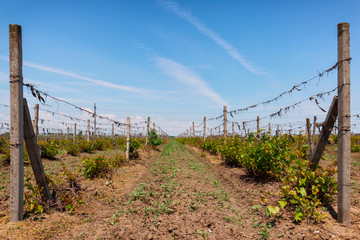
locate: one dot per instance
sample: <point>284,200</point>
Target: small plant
<point>72,149</point>
<point>95,166</point>
<point>32,198</point>
<point>49,149</point>
<point>154,139</point>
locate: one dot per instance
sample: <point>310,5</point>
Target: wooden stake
<point>344,132</point>
<point>233,130</point>
<point>313,135</point>
<point>147,131</point>
<point>34,154</point>
<point>16,124</point>
<point>204,128</point>
<point>128,138</point>
<point>308,131</point>
<point>257,124</point>
<point>36,120</point>
<point>325,133</point>
<point>225,123</point>
<point>74,137</point>
<point>88,131</point>
<point>94,119</point>
<point>67,133</point>
<point>153,126</point>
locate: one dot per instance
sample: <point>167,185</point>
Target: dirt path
<point>184,199</point>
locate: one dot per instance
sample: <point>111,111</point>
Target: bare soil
<point>179,193</point>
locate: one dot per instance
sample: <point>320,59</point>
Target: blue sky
<point>178,61</point>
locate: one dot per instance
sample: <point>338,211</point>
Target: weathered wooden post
<point>153,126</point>
<point>344,124</point>
<point>16,124</point>
<point>128,138</point>
<point>74,137</point>
<point>67,133</point>
<point>225,123</point>
<point>313,134</point>
<point>88,131</point>
<point>36,121</point>
<point>147,131</point>
<point>233,130</point>
<point>257,124</point>
<point>204,128</point>
<point>193,129</point>
<point>94,120</point>
<point>219,132</point>
<point>308,131</point>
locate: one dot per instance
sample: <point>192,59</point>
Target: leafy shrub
<point>306,190</point>
<point>72,149</point>
<point>117,160</point>
<point>134,146</point>
<point>154,139</point>
<point>49,149</point>
<point>95,166</point>
<point>86,146</point>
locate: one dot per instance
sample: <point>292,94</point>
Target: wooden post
<point>112,131</point>
<point>269,127</point>
<point>67,133</point>
<point>94,119</point>
<point>344,132</point>
<point>34,154</point>
<point>225,123</point>
<point>88,131</point>
<point>313,135</point>
<point>257,124</point>
<point>233,130</point>
<point>74,137</point>
<point>128,138</point>
<point>153,126</point>
<point>193,129</point>
<point>36,120</point>
<point>147,131</point>
<point>244,128</point>
<point>308,131</point>
<point>219,132</point>
<point>204,128</point>
<point>325,133</point>
<point>16,124</point>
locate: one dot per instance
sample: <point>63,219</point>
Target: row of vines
<point>283,158</point>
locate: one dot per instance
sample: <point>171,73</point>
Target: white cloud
<point>91,80</point>
<point>231,50</point>
<point>183,74</point>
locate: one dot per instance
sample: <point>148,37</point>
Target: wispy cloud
<point>77,76</point>
<point>184,74</point>
<point>232,51</point>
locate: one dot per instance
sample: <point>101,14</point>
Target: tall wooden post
<point>233,130</point>
<point>36,121</point>
<point>128,138</point>
<point>344,123</point>
<point>225,123</point>
<point>313,134</point>
<point>153,126</point>
<point>204,128</point>
<point>147,131</point>
<point>257,124</point>
<point>193,129</point>
<point>74,137</point>
<point>308,131</point>
<point>112,131</point>
<point>67,133</point>
<point>94,119</point>
<point>88,131</point>
<point>16,124</point>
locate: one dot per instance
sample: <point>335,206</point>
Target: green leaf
<point>299,216</point>
<point>282,204</point>
<point>302,191</point>
<point>273,210</point>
